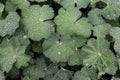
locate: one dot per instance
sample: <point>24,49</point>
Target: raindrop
<point>59,53</point>
<point>25,37</point>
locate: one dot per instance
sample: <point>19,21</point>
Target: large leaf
<point>12,51</point>
<point>58,51</point>
<point>68,23</point>
<point>99,55</point>
<point>36,21</point>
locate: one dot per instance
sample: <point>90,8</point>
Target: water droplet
<point>87,64</point>
<point>25,37</point>
<point>59,53</point>
<point>99,54</point>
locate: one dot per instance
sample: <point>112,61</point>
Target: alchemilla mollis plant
<point>59,39</point>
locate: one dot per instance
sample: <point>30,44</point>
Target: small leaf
<point>10,24</point>
<point>101,30</point>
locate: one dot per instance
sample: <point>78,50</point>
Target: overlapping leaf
<point>13,51</point>
<point>12,5</point>
<point>111,10</point>
<point>95,14</point>
<point>36,71</point>
<point>1,9</point>
<point>71,3</point>
<point>68,23</point>
<point>63,74</point>
<point>9,24</point>
<point>85,74</point>
<point>38,0</point>
<point>115,33</point>
<point>36,21</point>
<point>58,51</point>
<point>98,54</point>
<point>101,30</point>
<point>2,77</point>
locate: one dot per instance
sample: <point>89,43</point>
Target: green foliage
<point>36,20</point>
<point>1,9</point>
<point>58,51</point>
<point>9,24</point>
<point>101,30</point>
<point>85,74</point>
<point>98,54</point>
<point>62,74</point>
<point>59,39</point>
<point>12,52</point>
<point>115,33</point>
<point>2,77</point>
<point>95,14</point>
<point>71,3</point>
<point>38,0</point>
<point>36,71</point>
<point>21,4</point>
<point>68,23</point>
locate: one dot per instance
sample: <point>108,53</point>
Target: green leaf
<point>26,78</point>
<point>111,11</point>
<point>10,24</point>
<point>1,9</point>
<point>2,77</point>
<point>78,41</point>
<point>63,74</point>
<point>12,51</point>
<point>68,23</point>
<point>36,20</point>
<point>85,74</point>
<point>114,32</point>
<point>115,78</point>
<point>10,6</point>
<point>50,71</point>
<point>37,70</point>
<point>37,47</point>
<point>101,30</point>
<point>21,4</point>
<point>38,0</point>
<point>99,55</point>
<point>95,14</point>
<point>76,58</point>
<point>71,3</point>
<point>14,72</point>
<point>59,51</point>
